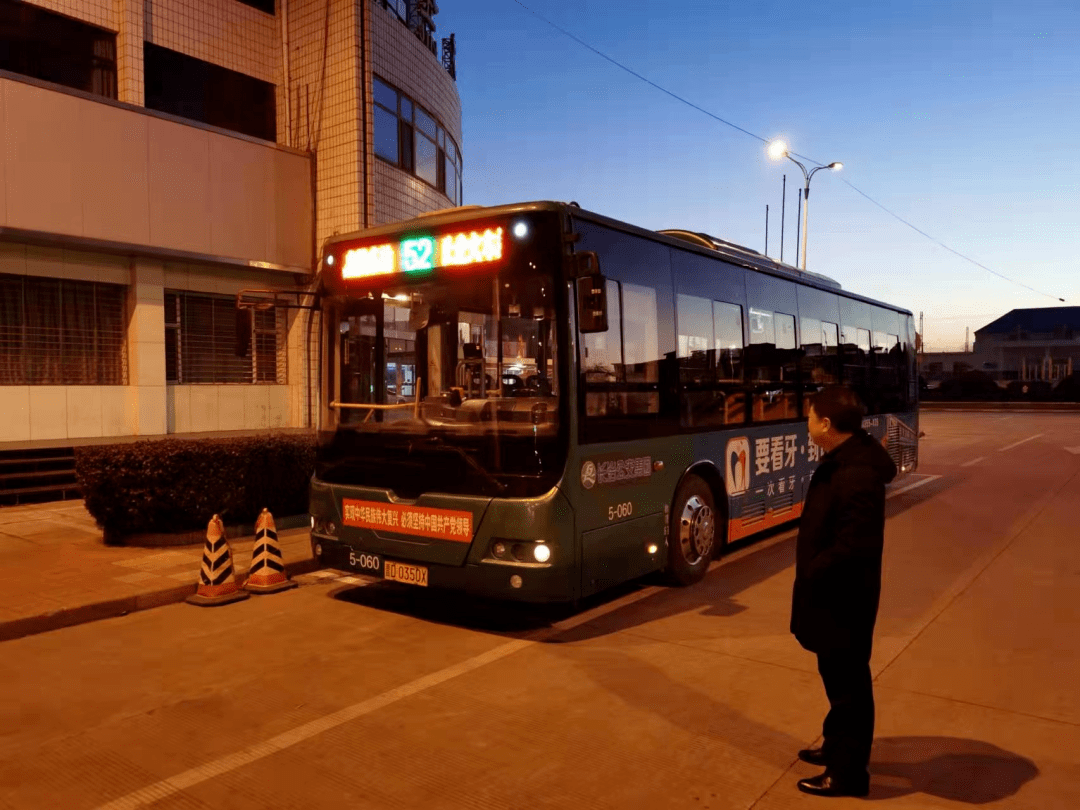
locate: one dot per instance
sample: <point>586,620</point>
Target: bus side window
<point>820,368</point>
<point>641,352</point>
<point>772,359</point>
<point>602,360</point>
<point>710,348</point>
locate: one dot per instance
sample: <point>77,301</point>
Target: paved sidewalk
<point>56,571</point>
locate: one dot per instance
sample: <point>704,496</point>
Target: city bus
<point>535,402</point>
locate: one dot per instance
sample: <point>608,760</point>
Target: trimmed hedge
<point>174,485</point>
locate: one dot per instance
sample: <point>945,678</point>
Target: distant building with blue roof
<point>1030,344</point>
<point>1023,344</point>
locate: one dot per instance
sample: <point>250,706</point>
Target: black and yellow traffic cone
<point>267,572</point>
<point>217,582</point>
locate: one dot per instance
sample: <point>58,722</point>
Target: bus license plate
<point>409,574</point>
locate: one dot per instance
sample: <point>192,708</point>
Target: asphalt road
<point>345,695</point>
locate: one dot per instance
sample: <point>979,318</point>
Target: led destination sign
<point>423,253</point>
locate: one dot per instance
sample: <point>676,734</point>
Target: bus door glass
<point>358,368</point>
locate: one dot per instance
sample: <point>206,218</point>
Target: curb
<point>112,608</point>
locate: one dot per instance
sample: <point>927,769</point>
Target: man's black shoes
<point>831,784</point>
<point>814,756</point>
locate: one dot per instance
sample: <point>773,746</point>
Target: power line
<point>639,76</point>
<point>757,137</point>
<point>956,252</point>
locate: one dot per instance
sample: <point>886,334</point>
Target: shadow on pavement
<point>457,609</point>
<point>906,500</point>
<point>716,595</point>
<point>952,768</point>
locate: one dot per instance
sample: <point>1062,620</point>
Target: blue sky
<point>960,117</point>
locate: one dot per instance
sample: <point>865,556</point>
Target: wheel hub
<point>697,530</point>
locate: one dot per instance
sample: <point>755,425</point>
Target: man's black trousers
<point>849,725</point>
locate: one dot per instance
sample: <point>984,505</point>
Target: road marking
<point>253,753</point>
<point>202,773</point>
<point>915,485</point>
<point>1017,444</point>
<point>973,461</point>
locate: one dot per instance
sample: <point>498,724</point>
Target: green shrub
<point>173,485</point>
<point>1068,389</point>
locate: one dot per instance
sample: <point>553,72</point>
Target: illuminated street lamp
<point>778,150</point>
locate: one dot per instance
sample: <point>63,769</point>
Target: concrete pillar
<point>129,51</point>
<point>146,390</point>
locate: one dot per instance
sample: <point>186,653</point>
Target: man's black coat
<point>838,552</point>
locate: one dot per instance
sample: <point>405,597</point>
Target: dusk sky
<point>962,118</point>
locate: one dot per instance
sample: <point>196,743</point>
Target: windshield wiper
<point>500,487</point>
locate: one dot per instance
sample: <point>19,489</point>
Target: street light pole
<point>777,150</point>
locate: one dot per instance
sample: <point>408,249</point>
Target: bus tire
<point>692,537</point>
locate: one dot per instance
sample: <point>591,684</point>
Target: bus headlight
<point>520,551</point>
<point>323,527</point>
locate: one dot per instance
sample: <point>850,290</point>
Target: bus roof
<point>698,242</point>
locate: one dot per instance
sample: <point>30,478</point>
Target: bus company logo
<point>588,475</point>
<point>737,465</point>
<point>614,471</point>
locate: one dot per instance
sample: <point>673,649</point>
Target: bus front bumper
<point>525,583</point>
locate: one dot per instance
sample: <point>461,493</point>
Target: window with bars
<point>201,342</point>
<point>60,332</point>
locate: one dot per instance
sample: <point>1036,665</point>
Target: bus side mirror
<point>592,304</point>
<point>244,325</point>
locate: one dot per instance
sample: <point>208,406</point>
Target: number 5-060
<point>368,561</point>
<point>622,510</point>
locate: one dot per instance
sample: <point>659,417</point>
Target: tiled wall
<point>326,111</point>
<point>333,49</point>
<point>399,195</point>
<point>224,32</point>
<point>129,52</point>
<point>399,57</point>
<point>206,408</point>
<point>101,13</point>
<point>403,60</point>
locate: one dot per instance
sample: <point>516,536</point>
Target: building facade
<point>1031,344</point>
<point>1024,345</point>
<point>160,157</point>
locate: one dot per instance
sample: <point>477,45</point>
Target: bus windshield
<point>448,385</point>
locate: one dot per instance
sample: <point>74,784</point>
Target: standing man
<point>838,585</point>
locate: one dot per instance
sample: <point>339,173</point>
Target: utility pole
<point>766,229</point>
<point>922,341</point>
<point>783,205</point>
<point>967,333</point>
<point>798,226</point>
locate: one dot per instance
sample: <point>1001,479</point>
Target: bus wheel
<point>692,537</point>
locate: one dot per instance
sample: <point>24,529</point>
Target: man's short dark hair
<point>841,406</point>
